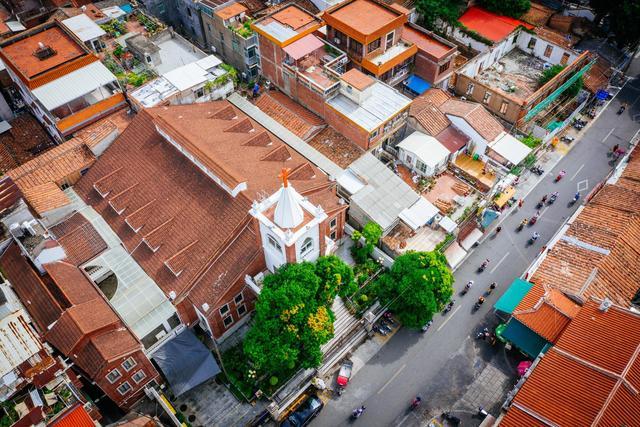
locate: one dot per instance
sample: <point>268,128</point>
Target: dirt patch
<point>336,147</point>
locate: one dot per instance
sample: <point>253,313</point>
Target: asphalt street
<point>411,363</point>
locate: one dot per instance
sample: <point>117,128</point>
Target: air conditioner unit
<point>28,227</point>
<point>336,41</point>
<point>213,49</point>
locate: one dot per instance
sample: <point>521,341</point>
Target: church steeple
<point>288,213</point>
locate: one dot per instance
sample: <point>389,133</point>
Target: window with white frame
<point>487,97</point>
<point>274,243</point>
<point>124,388</point>
<point>139,376</point>
<point>224,309</point>
<point>238,299</point>
<point>503,107</point>
<point>113,375</point>
<point>389,40</point>
<point>242,309</point>
<point>421,166</point>
<point>227,321</point>
<point>307,246</point>
<point>129,364</point>
<point>470,88</point>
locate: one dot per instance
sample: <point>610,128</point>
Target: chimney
<point>605,304</point>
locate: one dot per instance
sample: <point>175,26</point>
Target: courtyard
<point>515,74</point>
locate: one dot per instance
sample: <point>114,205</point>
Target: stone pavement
<point>490,387</point>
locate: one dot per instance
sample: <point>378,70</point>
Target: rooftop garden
<point>244,29</point>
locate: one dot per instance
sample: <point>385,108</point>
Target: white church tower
<point>290,226</point>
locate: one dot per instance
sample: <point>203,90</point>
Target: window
<point>503,107</point>
<point>64,186</point>
<point>389,39</point>
<point>444,67</point>
<point>221,36</point>
<point>274,243</point>
<point>224,309</point>
<point>421,166</point>
<point>139,376</point>
<point>238,299</point>
<point>113,376</point>
<point>373,134</point>
<point>470,88</point>
<point>124,388</point>
<point>251,52</point>
<point>564,59</point>
<point>532,43</point>
<point>333,223</point>
<point>235,45</point>
<point>188,11</point>
<point>227,321</point>
<point>242,310</point>
<point>514,40</point>
<point>199,93</point>
<point>408,159</point>
<point>548,50</point>
<point>355,47</point>
<point>373,45</point>
<point>307,246</point>
<point>148,59</point>
<point>129,364</point>
<point>333,235</point>
<point>486,98</point>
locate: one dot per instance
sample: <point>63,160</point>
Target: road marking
<point>583,185</point>
<point>392,378</point>
<point>609,134</point>
<point>499,262</point>
<point>407,416</point>
<point>449,318</point>
<point>577,172</point>
<point>543,211</point>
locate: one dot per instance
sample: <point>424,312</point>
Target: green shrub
<point>273,380</point>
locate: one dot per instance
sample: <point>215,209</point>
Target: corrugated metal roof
<point>385,195</point>
<point>18,342</point>
<point>83,27</point>
<point>428,149</point>
<point>382,104</point>
<point>74,85</point>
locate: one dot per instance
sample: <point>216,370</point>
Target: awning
<point>417,85</point>
<point>512,297</point>
<point>524,338</point>
<point>448,224</point>
<point>505,196</point>
<point>420,213</point>
<point>304,46</point>
<point>185,362</point>
<point>510,148</point>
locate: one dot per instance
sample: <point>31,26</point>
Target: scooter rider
<point>416,402</point>
<point>535,236</point>
<point>358,412</point>
<point>469,284</point>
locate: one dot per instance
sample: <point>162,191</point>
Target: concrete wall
<point>540,46</point>
<point>514,109</point>
<point>478,143</point>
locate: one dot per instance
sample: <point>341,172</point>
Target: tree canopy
<point>446,10</point>
<point>418,285</point>
<point>553,71</point>
<point>293,316</point>
<point>623,19</point>
<point>371,233</point>
<point>515,8</point>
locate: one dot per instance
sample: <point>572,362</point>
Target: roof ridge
<point>534,414</point>
<point>621,380</point>
<point>588,364</point>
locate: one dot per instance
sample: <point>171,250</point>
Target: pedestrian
<point>615,148</point>
<point>520,203</point>
<point>499,229</point>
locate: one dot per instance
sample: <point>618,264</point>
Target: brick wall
<point>310,99</point>
<point>346,127</point>
<point>513,111</point>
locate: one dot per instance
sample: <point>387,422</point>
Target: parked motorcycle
<point>567,139</point>
<point>448,307</point>
<point>427,325</point>
<point>451,419</point>
<point>537,170</point>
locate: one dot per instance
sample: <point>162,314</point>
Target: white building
<point>423,154</point>
<point>87,31</point>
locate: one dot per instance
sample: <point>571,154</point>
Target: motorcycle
<point>426,327</point>
<point>482,267</point>
<point>560,176</point>
<point>533,239</point>
<point>533,220</point>
<point>552,199</point>
<point>522,224</point>
<point>537,170</point>
<point>415,403</point>
<point>357,413</point>
<point>575,199</point>
<point>448,307</point>
<point>466,289</point>
<point>567,139</point>
<point>621,110</point>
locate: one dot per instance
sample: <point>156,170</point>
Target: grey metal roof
<point>278,31</point>
<point>385,195</point>
<point>310,153</point>
<point>382,104</point>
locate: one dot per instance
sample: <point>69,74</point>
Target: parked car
<point>304,413</point>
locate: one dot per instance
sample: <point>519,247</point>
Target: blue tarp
<point>512,297</point>
<point>185,362</point>
<point>126,8</point>
<point>524,338</point>
<point>417,85</point>
<point>602,94</point>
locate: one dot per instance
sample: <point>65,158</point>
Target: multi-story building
<point>64,84</point>
<point>229,34</point>
<point>381,42</point>
<point>312,72</point>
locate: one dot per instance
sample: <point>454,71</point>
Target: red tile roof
<point>426,44</point>
<point>546,312</point>
<point>561,39</point>
<point>476,115</point>
<point>537,15</point>
<point>190,210</point>
<point>490,25</point>
<point>302,122</point>
<point>103,348</point>
<point>34,294</point>
<point>74,417</point>
<point>80,241</point>
<point>592,375</point>
<point>452,138</point>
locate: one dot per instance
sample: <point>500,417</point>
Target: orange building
<point>62,81</point>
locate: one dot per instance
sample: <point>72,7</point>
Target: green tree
<point>446,10</point>
<point>515,8</point>
<point>553,71</point>
<point>623,19</point>
<point>293,316</point>
<point>418,285</point>
<point>371,233</point>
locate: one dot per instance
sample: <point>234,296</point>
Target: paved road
<point>412,363</point>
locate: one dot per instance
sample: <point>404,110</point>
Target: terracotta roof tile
<point>491,25</point>
<point>591,376</point>
<point>432,120</point>
<point>426,43</point>
<point>476,115</point>
<point>290,114</point>
<point>364,16</point>
<point>80,241</point>
<point>546,312</point>
<point>357,79</point>
<point>71,282</point>
<point>617,197</point>
<point>231,11</point>
<point>34,294</point>
<point>74,417</point>
<point>537,15</point>
<point>105,347</point>
<point>519,418</point>
<point>45,197</point>
<point>193,207</point>
<point>333,144</point>
<point>556,37</point>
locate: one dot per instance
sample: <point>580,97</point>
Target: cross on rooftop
<point>284,175</point>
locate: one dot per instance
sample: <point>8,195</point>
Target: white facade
<point>478,143</point>
<point>537,46</point>
<point>423,154</point>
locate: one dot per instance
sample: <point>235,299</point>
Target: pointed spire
<point>288,213</point>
